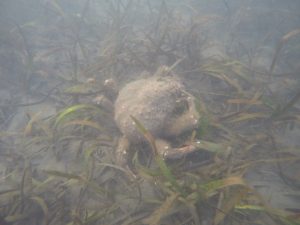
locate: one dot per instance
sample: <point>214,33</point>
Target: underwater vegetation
<point>57,147</point>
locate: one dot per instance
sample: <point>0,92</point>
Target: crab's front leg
<point>124,156</point>
<point>179,153</point>
<point>104,102</point>
<point>165,149</point>
<point>187,121</point>
<point>122,152</point>
<point>109,95</point>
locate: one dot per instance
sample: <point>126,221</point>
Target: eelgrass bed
<point>57,148</point>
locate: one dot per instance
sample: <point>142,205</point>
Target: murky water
<point>240,59</point>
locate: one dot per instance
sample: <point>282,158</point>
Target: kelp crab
<point>163,106</point>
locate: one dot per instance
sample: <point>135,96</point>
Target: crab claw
<point>187,121</point>
<point>104,102</point>
<point>110,89</point>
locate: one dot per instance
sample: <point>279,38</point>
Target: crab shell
<point>160,104</point>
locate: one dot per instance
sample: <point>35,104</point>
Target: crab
<point>162,105</point>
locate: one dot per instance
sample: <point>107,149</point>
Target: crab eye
<point>181,106</point>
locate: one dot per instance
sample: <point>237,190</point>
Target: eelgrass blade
<point>158,158</point>
<point>162,210</point>
<point>65,114</point>
<point>212,186</point>
<point>93,185</point>
<point>86,123</point>
<point>210,146</point>
<point>280,45</point>
<point>234,198</point>
<point>279,112</point>
<point>41,202</point>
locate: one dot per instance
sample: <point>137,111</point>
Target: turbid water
<point>238,59</point>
